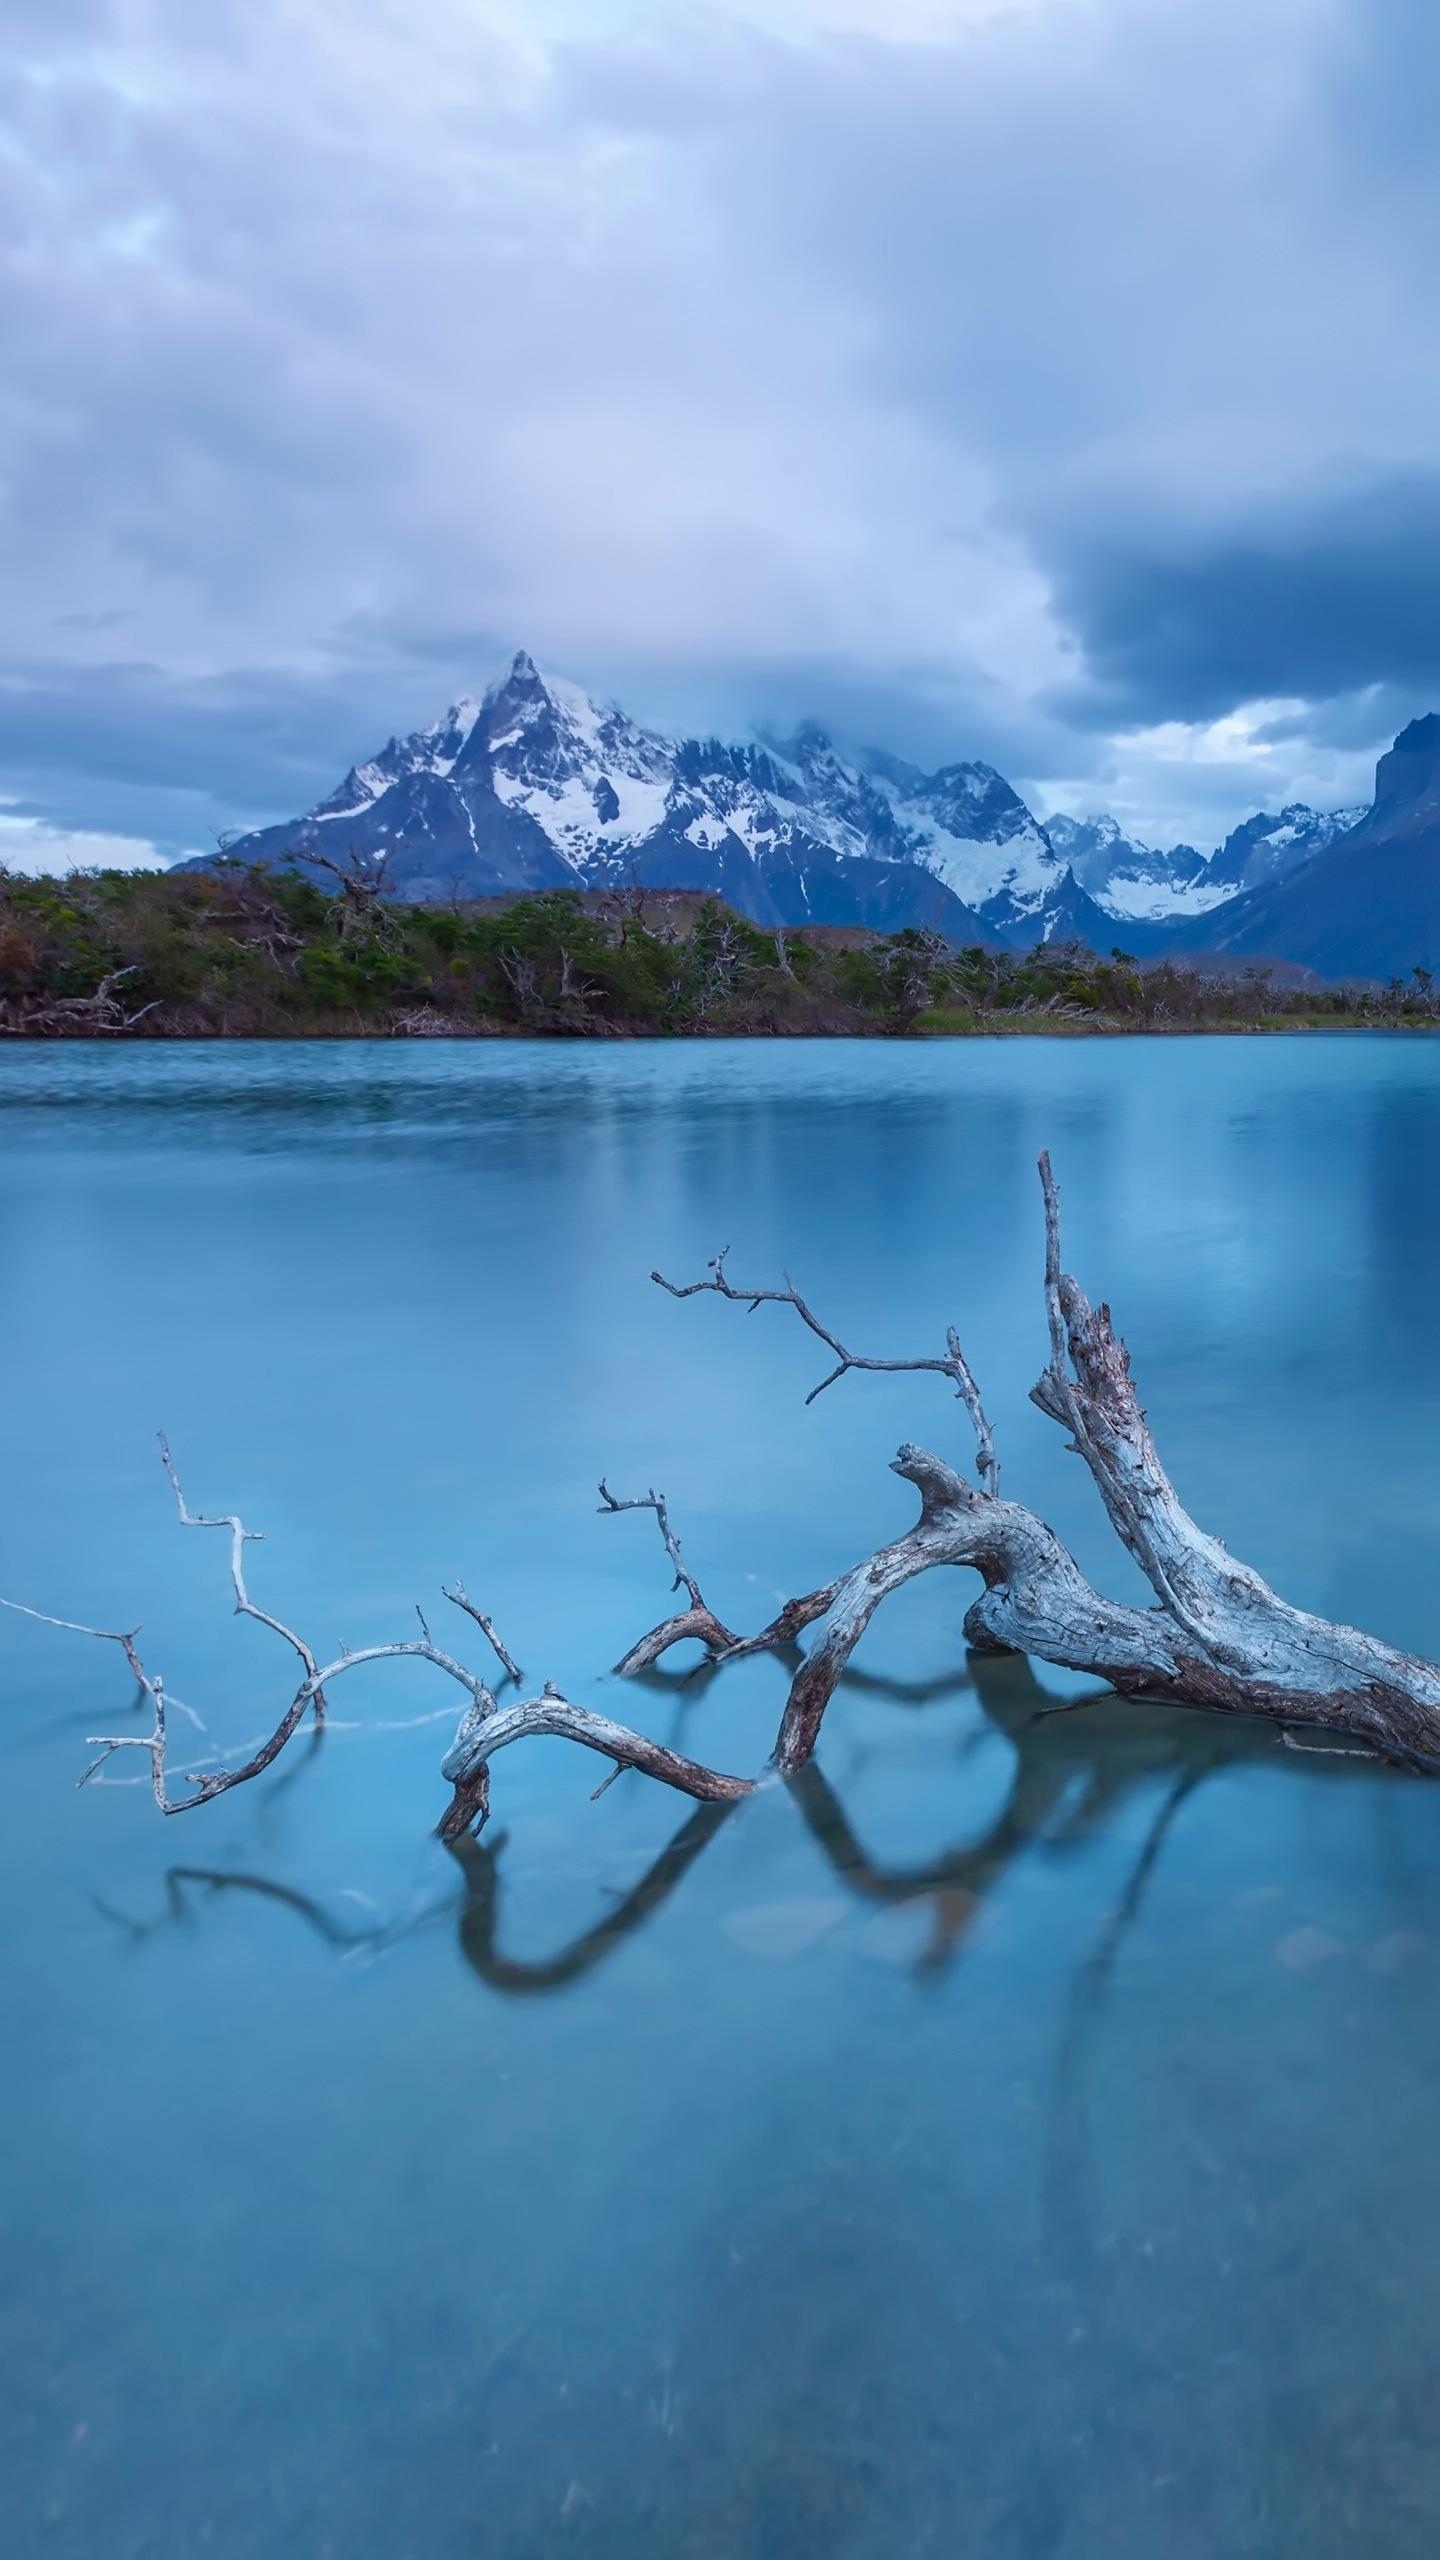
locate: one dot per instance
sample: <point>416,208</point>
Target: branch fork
<point>1217,1636</point>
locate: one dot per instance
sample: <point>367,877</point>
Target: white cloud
<point>28,845</point>
<point>736,350</point>
<point>1190,781</point>
<point>640,21</point>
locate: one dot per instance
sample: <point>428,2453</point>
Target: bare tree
<point>362,878</point>
<point>522,976</point>
<point>88,1017</point>
<point>911,968</point>
<point>1216,1636</point>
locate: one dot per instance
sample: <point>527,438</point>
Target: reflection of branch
<point>1042,1807</point>
<point>306,1907</point>
<point>1069,2178</point>
<point>1042,1811</point>
<point>480,1917</point>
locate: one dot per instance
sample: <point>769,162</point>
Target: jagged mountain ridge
<point>1139,883</point>
<point>537,785</point>
<point>1367,905</point>
<point>1133,881</point>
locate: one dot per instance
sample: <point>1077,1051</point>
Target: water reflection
<point>1076,1770</point>
<point>1056,2195</point>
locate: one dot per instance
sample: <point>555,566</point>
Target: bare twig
<point>653,1501</point>
<point>954,1365</point>
<point>1220,1638</point>
<point>456,1592</point>
<point>698,1621</point>
<point>240,1538</point>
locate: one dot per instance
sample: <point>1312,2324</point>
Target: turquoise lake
<point>1013,2140</point>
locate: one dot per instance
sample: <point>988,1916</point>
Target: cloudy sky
<point>1053,381</point>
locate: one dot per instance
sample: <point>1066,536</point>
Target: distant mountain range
<point>537,785</point>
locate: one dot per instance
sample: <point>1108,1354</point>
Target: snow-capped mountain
<point>1366,904</point>
<point>1132,881</point>
<point>538,785</point>
<point>1139,883</point>
<point>1266,846</point>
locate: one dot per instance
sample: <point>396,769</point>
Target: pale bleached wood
<point>1217,1638</point>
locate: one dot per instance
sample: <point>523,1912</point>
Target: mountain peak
<point>520,681</point>
<point>1412,767</point>
<point>543,784</point>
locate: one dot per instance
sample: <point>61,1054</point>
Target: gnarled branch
<point>481,1735</point>
<point>240,1538</point>
<point>1218,1637</point>
<point>699,1620</point>
<point>954,1365</point>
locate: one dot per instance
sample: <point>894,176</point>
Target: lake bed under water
<point>1014,2139</point>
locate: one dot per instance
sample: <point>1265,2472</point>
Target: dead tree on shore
<point>361,880</point>
<point>1216,1636</point>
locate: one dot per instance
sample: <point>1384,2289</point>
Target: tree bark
<point>1216,1637</point>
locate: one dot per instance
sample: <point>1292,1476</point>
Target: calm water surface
<point>1017,2141</point>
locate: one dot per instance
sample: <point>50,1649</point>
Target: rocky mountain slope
<point>1131,880</point>
<point>1135,882</point>
<point>537,785</point>
<point>1367,905</point>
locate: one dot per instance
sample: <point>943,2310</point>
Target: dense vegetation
<point>240,951</point>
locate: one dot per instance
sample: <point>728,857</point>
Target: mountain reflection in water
<point>1011,2138</point>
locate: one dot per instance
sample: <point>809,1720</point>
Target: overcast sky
<point>1052,381</point>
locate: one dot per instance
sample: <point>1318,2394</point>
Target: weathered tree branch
<point>481,1734</point>
<point>457,1593</point>
<point>102,1012</point>
<point>240,1538</point>
<point>699,1620</point>
<point>954,1365</point>
<point>1218,1637</point>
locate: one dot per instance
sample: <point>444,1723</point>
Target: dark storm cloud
<point>184,759</point>
<point>1312,596</point>
<point>1064,377</point>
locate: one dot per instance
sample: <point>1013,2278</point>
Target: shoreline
<point>1023,1028</point>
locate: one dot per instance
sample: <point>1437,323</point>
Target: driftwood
<point>1216,1636</point>
<point>89,1017</point>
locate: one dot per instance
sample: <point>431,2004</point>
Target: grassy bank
<point>243,953</point>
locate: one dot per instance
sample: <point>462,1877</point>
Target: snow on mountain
<point>538,785</point>
<point>967,826</point>
<point>1132,882</point>
<point>432,750</point>
<point>1140,883</point>
<point>541,785</point>
<point>1266,847</point>
<point>588,776</point>
<point>1366,903</point>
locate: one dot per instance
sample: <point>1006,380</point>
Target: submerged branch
<point>1218,1637</point>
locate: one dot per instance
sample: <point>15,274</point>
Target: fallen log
<point>1216,1636</point>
